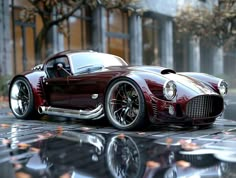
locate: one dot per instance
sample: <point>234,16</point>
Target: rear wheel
<point>21,99</point>
<point>125,105</point>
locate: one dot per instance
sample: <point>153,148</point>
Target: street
<point>59,147</point>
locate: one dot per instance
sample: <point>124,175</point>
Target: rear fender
<point>35,79</point>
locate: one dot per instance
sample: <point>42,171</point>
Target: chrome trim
<point>94,96</point>
<point>94,114</point>
<point>204,106</point>
<point>95,140</point>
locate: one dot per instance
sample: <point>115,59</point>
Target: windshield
<point>82,60</point>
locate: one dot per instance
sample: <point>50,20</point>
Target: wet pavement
<point>63,148</point>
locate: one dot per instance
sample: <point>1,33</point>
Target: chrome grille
<point>204,106</point>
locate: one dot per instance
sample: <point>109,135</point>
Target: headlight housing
<point>169,90</point>
<point>223,87</point>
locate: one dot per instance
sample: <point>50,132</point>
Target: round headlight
<point>223,87</point>
<point>169,90</point>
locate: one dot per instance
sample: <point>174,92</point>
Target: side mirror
<point>59,66</point>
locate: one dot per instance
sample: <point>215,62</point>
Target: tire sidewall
<point>31,109</point>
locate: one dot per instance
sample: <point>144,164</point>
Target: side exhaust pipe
<point>94,114</point>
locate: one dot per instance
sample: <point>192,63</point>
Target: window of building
<point>150,41</point>
<point>23,36</point>
<point>79,31</point>
<point>24,33</point>
<point>117,33</point>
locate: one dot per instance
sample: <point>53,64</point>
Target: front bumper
<point>199,110</point>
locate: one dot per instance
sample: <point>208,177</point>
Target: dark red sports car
<point>90,85</point>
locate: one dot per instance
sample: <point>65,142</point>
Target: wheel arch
<point>138,80</point>
<point>35,80</point>
<point>12,81</point>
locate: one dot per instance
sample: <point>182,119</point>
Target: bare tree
<point>64,9</point>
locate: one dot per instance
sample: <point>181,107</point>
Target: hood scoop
<point>168,71</point>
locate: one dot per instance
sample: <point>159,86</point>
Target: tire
<point>21,99</point>
<point>125,105</point>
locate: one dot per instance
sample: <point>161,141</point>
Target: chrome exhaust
<point>94,114</point>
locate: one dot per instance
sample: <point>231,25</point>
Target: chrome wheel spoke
<point>124,115</point>
<point>117,102</point>
<point>126,92</point>
<point>120,92</point>
<point>126,111</point>
<point>117,111</point>
<point>117,115</point>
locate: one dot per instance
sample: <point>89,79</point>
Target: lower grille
<point>204,106</point>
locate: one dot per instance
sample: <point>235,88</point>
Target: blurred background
<point>186,35</point>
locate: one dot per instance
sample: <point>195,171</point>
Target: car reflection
<point>123,157</point>
<point>83,154</point>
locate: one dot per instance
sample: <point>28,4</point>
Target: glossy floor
<point>62,148</point>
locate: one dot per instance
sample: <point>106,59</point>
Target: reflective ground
<point>57,147</point>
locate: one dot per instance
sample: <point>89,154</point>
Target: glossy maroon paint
<point>75,91</point>
<point>208,79</point>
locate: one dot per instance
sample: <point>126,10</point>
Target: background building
<point>146,39</point>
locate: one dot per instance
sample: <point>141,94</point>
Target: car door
<point>56,84</point>
<point>83,91</point>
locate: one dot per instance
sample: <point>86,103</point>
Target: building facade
<point>146,39</point>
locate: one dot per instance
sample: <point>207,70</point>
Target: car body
<point>91,85</point>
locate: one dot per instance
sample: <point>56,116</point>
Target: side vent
<point>39,88</point>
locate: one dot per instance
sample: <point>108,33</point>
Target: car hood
<point>183,82</point>
<point>190,84</point>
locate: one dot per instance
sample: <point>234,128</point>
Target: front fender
<point>207,79</point>
<point>151,86</point>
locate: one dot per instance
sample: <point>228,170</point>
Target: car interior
<point>58,68</point>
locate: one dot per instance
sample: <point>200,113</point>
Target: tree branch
<point>40,11</point>
<point>66,16</point>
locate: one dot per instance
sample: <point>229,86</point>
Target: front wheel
<point>21,99</point>
<point>125,105</point>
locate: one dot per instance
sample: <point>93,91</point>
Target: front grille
<point>204,106</point>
